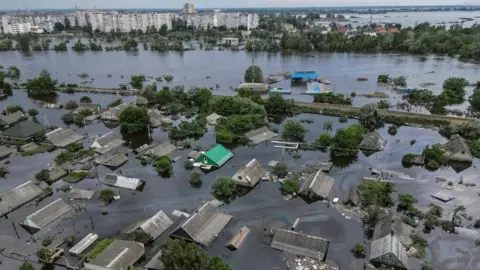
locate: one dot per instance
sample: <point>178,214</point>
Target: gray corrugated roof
<point>389,248</point>
<point>456,144</point>
<point>204,224</point>
<point>250,173</point>
<point>260,135</point>
<point>155,263</point>
<point>81,194</point>
<point>118,255</point>
<point>319,183</point>
<point>373,142</point>
<point>352,197</point>
<point>158,150</point>
<point>31,146</point>
<point>85,106</point>
<point>115,111</point>
<point>5,151</point>
<point>63,137</point>
<point>213,118</point>
<point>300,244</point>
<point>24,129</point>
<point>18,196</point>
<point>86,242</point>
<point>107,142</point>
<point>390,225</point>
<point>156,225</point>
<point>47,214</point>
<point>11,118</point>
<point>112,160</point>
<point>122,181</point>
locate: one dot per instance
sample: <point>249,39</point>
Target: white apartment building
<point>188,8</point>
<point>96,21</point>
<point>18,28</point>
<point>163,18</point>
<point>81,17</point>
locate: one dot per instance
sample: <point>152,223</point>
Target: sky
<point>155,4</point>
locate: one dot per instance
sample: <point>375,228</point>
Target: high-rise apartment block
<point>188,8</point>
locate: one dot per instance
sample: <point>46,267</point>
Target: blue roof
<point>304,75</point>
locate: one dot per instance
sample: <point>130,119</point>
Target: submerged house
<point>213,119</point>
<point>457,150</point>
<point>389,251</point>
<point>249,174</point>
<point>155,226</point>
<point>203,225</point>
<point>24,130</point>
<point>18,196</point>
<point>112,161</point>
<point>157,119</point>
<point>121,181</point>
<point>389,225</point>
<point>257,88</point>
<point>260,135</point>
<point>106,143</point>
<point>63,137</point>
<point>48,214</point>
<point>300,244</point>
<point>113,114</point>
<point>119,254</point>
<point>85,243</point>
<point>216,157</point>
<point>156,150</point>
<point>94,108</point>
<point>317,186</point>
<point>373,142</point>
<point>352,197</point>
<point>11,118</point>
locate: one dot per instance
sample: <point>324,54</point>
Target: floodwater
<point>263,208</point>
<point>225,68</point>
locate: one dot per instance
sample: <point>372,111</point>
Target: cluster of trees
<point>224,189</point>
<point>332,98</point>
<point>346,141</point>
<point>133,120</point>
<point>396,81</point>
<point>43,85</point>
<point>253,74</point>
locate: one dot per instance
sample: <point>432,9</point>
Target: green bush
<point>102,245</point>
<point>290,187</point>
<point>196,180</point>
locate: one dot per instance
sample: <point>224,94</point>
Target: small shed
<point>215,157</point>
<point>46,215</point>
<point>56,173</point>
<point>6,151</point>
<point>155,263</point>
<point>29,147</point>
<point>254,87</point>
<point>457,150</point>
<point>84,244</point>
<point>304,75</point>
<point>300,244</point>
<point>249,174</point>
<point>317,185</point>
<point>156,225</point>
<point>157,119</point>
<point>203,225</point>
<point>389,251</point>
<point>119,254</point>
<point>106,143</point>
<point>12,118</point>
<point>81,194</point>
<point>18,196</point>
<point>213,118</point>
<point>373,142</point>
<point>113,114</point>
<point>23,130</point>
<point>121,181</point>
<point>260,135</point>
<point>238,239</point>
<point>63,137</point>
<point>352,197</point>
<point>443,196</point>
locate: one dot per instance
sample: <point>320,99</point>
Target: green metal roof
<point>219,154</point>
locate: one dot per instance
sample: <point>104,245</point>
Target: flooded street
<point>263,208</point>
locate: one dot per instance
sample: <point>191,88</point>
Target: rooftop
<point>155,263</point>
<point>157,150</point>
<point>389,251</point>
<point>373,142</point>
<point>260,135</point>
<point>118,255</point>
<point>47,214</point>
<point>156,225</point>
<point>106,143</point>
<point>217,156</point>
<point>81,194</point>
<point>300,244</point>
<point>318,183</point>
<point>389,225</point>
<point>86,242</point>
<point>6,120</point>
<point>18,196</point>
<point>23,130</point>
<point>249,174</point>
<point>122,181</point>
<point>63,137</point>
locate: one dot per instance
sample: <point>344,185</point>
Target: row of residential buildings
<point>125,21</point>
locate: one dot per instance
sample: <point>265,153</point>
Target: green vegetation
<point>293,131</point>
<point>115,103</point>
<point>420,244</point>
<point>453,90</point>
<point>13,108</point>
<point>179,254</point>
<point>383,78</point>
<point>60,47</point>
<point>392,130</point>
<point>359,251</point>
<point>426,266</point>
<point>72,153</point>
<point>75,177</point>
<point>408,159</point>
<point>13,72</point>
<point>163,166</point>
<point>434,157</point>
<point>138,236</point>
<point>43,175</point>
<point>332,98</point>
<point>46,241</point>
<point>371,117</point>
<point>43,85</point>
<point>224,189</point>
<point>102,245</point>
<point>5,86</point>
<point>193,129</point>
<point>70,105</point>
<point>85,99</point>
<point>346,141</point>
<point>277,106</point>
<point>376,193</point>
<point>324,140</point>
<point>290,187</point>
<point>44,254</point>
<point>137,81</point>
<point>432,218</point>
<point>26,266</point>
<point>106,196</point>
<point>405,205</point>
<point>32,112</point>
<point>79,46</point>
<point>134,119</point>
<point>196,180</point>
<point>280,170</point>
<point>253,74</point>
<point>475,148</point>
<point>459,213</point>
<point>188,165</point>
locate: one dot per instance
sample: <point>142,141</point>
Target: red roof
<point>343,29</point>
<point>394,30</point>
<point>380,30</point>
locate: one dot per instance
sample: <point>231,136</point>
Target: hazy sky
<point>62,4</point>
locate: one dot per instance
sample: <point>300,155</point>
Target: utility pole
<point>85,125</point>
<point>93,226</point>
<point>15,228</point>
<point>149,135</point>
<point>284,145</point>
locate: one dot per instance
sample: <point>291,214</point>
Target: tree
<point>68,119</point>
<point>426,266</point>
<point>23,42</point>
<point>276,105</point>
<point>245,92</point>
<point>43,85</point>
<point>347,141</point>
<point>253,74</point>
<point>43,175</point>
<point>27,266</point>
<point>163,166</point>
<point>280,170</point>
<point>134,119</point>
<point>224,189</point>
<point>376,193</point>
<point>71,104</point>
<point>371,117</point>
<point>474,100</point>
<point>405,202</point>
<point>290,186</point>
<point>115,103</point>
<point>293,131</point>
<point>13,72</point>
<point>434,156</point>
<point>58,27</point>
<point>163,31</point>
<point>164,97</point>
<point>106,196</point>
<point>196,180</point>
<point>32,112</point>
<point>383,78</point>
<point>67,23</point>
<point>324,140</point>
<point>371,218</point>
<point>85,99</point>
<point>13,108</point>
<point>359,250</point>
<point>137,81</point>
<point>3,172</point>
<point>458,215</point>
<point>44,254</point>
<point>476,224</point>
<point>181,255</point>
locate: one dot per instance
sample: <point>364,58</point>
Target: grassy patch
<point>75,177</point>
<point>99,248</point>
